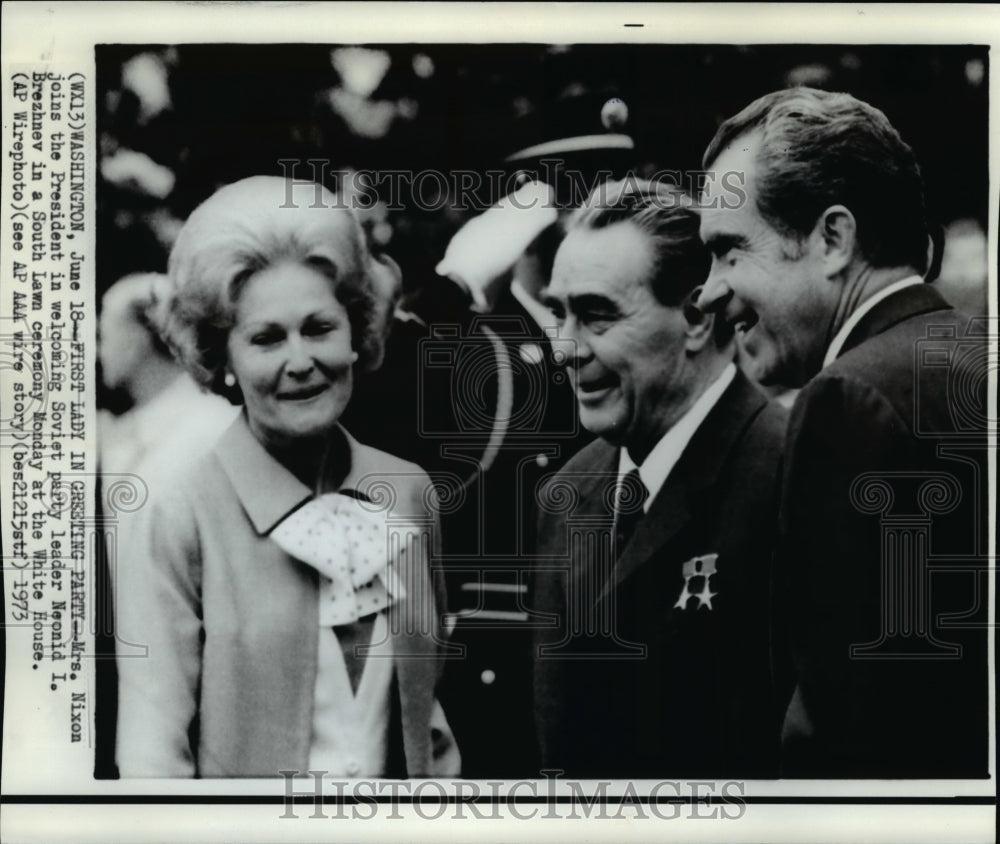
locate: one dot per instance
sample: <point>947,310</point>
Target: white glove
<point>489,245</point>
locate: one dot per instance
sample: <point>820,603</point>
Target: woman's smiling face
<point>290,351</point>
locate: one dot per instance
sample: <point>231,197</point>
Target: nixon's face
<point>768,285</point>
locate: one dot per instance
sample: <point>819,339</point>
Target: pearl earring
<point>229,379</point>
<point>354,357</point>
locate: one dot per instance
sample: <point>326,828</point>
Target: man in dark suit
<point>884,509</point>
<point>655,541</point>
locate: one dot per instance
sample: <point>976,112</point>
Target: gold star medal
<point>698,569</point>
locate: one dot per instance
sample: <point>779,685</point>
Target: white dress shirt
<point>665,454</point>
<point>845,330</point>
<point>351,729</point>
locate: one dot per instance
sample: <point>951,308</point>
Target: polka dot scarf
<point>349,545</point>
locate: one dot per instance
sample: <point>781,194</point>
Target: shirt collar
<point>265,488</point>
<point>851,323</point>
<point>661,460</point>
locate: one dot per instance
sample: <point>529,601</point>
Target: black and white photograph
<point>491,419</point>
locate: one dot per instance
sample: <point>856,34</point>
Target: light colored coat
<point>226,687</point>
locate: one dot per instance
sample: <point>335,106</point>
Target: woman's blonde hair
<point>238,231</point>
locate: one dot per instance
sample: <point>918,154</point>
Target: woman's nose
<point>299,361</point>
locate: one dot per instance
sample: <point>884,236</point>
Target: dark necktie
<point>629,503</point>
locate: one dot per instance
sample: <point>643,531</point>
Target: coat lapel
<point>910,301</point>
<point>596,485</point>
<point>412,620</point>
<point>267,491</point>
<point>593,485</point>
<point>696,473</point>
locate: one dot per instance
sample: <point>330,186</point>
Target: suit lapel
<point>596,486</point>
<point>910,301</point>
<point>592,483</point>
<point>697,472</point>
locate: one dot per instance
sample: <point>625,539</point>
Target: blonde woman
<point>282,587</point>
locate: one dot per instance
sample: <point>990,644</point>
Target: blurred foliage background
<point>176,122</point>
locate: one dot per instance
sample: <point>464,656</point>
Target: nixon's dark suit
<point>886,471</point>
<point>700,701</point>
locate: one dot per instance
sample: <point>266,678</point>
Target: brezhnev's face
<point>290,350</point>
<point>769,286</point>
<point>625,350</point>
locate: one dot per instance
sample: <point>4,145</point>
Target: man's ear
<point>836,234</point>
<point>699,324</point>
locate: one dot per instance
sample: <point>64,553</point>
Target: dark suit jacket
<point>902,406</point>
<point>673,691</point>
